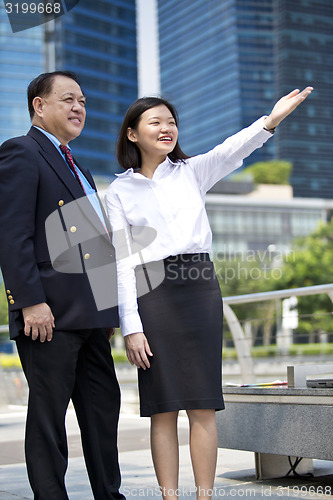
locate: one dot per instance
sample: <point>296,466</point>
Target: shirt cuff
<point>131,323</point>
<point>261,121</point>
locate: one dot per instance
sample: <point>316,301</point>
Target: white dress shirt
<point>172,203</point>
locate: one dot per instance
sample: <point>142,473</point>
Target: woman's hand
<point>137,348</point>
<point>285,106</point>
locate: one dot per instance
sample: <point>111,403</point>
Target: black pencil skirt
<point>183,321</point>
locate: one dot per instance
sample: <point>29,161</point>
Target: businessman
<point>61,335</point>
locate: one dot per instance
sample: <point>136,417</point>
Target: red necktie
<point>69,159</point>
<point>70,162</point>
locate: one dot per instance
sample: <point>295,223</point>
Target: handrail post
<point>242,346</point>
<point>330,294</point>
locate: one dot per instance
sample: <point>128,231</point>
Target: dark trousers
<point>75,365</point>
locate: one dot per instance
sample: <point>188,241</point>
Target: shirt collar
<point>52,137</point>
<point>131,173</point>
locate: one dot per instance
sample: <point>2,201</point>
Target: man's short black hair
<point>42,85</point>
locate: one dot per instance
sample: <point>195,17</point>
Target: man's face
<point>62,112</point>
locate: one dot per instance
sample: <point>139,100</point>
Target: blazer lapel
<point>57,163</point>
<point>54,159</point>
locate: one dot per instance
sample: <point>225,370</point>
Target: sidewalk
<point>235,477</point>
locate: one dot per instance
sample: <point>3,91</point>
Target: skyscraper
<point>225,62</point>
<point>304,56</point>
<point>21,59</point>
<point>216,66</point>
<point>96,40</point>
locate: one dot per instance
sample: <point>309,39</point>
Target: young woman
<point>174,332</point>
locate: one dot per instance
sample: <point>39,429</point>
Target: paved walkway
<point>235,476</point>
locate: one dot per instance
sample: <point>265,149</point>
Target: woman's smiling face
<point>156,133</point>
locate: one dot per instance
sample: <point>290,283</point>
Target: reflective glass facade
<point>216,67</point>
<point>225,62</point>
<point>304,40</point>
<point>240,225</point>
<point>21,59</point>
<point>96,40</point>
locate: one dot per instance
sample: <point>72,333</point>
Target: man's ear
<point>131,134</point>
<point>38,104</point>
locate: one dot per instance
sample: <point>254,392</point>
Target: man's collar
<point>50,136</point>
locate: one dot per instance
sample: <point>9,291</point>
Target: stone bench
<point>277,423</point>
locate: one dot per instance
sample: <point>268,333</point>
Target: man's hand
<point>285,106</point>
<point>137,348</point>
<point>38,321</point>
<point>110,332</point>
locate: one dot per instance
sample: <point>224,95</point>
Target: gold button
<point>60,203</point>
<point>73,229</point>
<point>8,291</point>
<point>87,256</point>
<point>12,301</point>
<point>9,297</point>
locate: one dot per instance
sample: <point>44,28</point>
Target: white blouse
<point>171,208</point>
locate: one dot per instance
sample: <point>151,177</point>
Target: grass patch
<point>310,349</point>
<point>272,350</point>
<point>119,355</point>
<point>264,351</point>
<point>8,361</point>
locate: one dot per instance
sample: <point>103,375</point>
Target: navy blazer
<point>36,185</point>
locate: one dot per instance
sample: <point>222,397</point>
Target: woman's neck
<point>149,166</point>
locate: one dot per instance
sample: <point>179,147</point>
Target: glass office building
<point>216,67</point>
<point>225,62</point>
<point>304,56</point>
<point>21,59</point>
<point>96,40</point>
<point>241,224</point>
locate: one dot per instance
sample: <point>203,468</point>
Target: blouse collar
<point>130,172</point>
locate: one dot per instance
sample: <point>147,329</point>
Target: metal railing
<point>240,341</point>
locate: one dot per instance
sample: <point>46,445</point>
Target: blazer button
<point>12,301</point>
<point>10,297</point>
<point>8,291</point>
<point>73,229</point>
<point>60,203</point>
<point>87,256</point>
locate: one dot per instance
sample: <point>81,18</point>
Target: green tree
<point>267,172</point>
<point>311,263</point>
<point>246,273</point>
